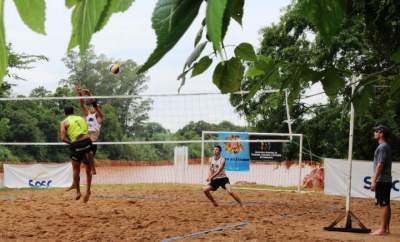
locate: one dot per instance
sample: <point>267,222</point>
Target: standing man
<point>217,177</point>
<point>94,118</point>
<point>74,131</point>
<point>382,179</point>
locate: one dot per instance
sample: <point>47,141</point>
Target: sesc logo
<point>39,181</point>
<point>367,184</point>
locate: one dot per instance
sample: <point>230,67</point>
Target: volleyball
<point>114,68</point>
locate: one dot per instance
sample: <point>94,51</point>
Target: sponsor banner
<point>236,153</point>
<point>336,176</point>
<point>38,175</point>
<point>265,150</point>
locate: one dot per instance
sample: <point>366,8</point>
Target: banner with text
<point>265,151</point>
<point>236,153</point>
<point>38,175</point>
<point>336,177</point>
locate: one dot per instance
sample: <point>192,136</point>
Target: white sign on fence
<point>181,162</point>
<point>336,176</point>
<point>38,175</point>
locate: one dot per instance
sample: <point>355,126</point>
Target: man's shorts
<point>382,193</point>
<point>94,149</point>
<point>79,149</point>
<point>219,182</point>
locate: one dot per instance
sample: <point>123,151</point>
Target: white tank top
<point>93,125</point>
<point>215,165</point>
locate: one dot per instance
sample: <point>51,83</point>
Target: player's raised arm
<point>96,107</point>
<point>79,92</point>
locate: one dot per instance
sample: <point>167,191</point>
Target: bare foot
<point>215,204</point>
<point>72,187</point>
<point>379,232</point>
<point>78,196</point>
<point>86,197</point>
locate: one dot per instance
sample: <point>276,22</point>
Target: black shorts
<point>382,193</point>
<point>219,182</point>
<point>94,149</point>
<point>79,149</point>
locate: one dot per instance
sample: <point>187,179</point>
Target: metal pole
<point>300,162</point>
<point>202,158</point>
<point>350,154</point>
<point>288,113</point>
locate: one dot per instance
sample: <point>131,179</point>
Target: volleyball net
<point>141,135</point>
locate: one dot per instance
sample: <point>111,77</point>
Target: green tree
<point>300,53</point>
<point>378,18</point>
<point>16,61</point>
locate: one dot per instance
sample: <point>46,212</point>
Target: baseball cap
<point>385,130</point>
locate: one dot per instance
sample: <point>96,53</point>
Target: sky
<point>129,35</point>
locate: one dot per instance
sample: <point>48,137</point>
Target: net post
<point>202,157</point>
<point>350,154</point>
<point>289,121</point>
<point>348,215</point>
<point>300,162</point>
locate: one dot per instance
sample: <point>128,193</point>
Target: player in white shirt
<point>94,118</point>
<point>217,177</point>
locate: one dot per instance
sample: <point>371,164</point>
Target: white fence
<point>260,174</point>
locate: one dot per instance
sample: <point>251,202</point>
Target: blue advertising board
<point>236,153</point>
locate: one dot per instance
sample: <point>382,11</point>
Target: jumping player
<point>94,118</point>
<point>74,131</point>
<point>217,177</point>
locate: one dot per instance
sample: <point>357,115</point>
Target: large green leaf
<point>226,19</point>
<point>228,75</point>
<point>171,19</point>
<point>309,75</point>
<point>236,9</point>
<point>233,9</point>
<point>113,6</point>
<point>332,82</point>
<point>253,71</point>
<point>70,3</point>
<point>266,72</point>
<point>245,51</point>
<point>214,21</point>
<point>326,15</point>
<point>32,12</point>
<point>201,66</point>
<point>85,19</point>
<point>3,48</point>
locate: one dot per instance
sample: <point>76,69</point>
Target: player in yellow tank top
<point>77,127</point>
<point>74,131</point>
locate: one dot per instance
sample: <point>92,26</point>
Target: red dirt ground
<point>156,212</point>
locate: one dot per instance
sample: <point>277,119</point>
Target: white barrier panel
<point>336,176</point>
<point>181,162</point>
<point>38,175</point>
